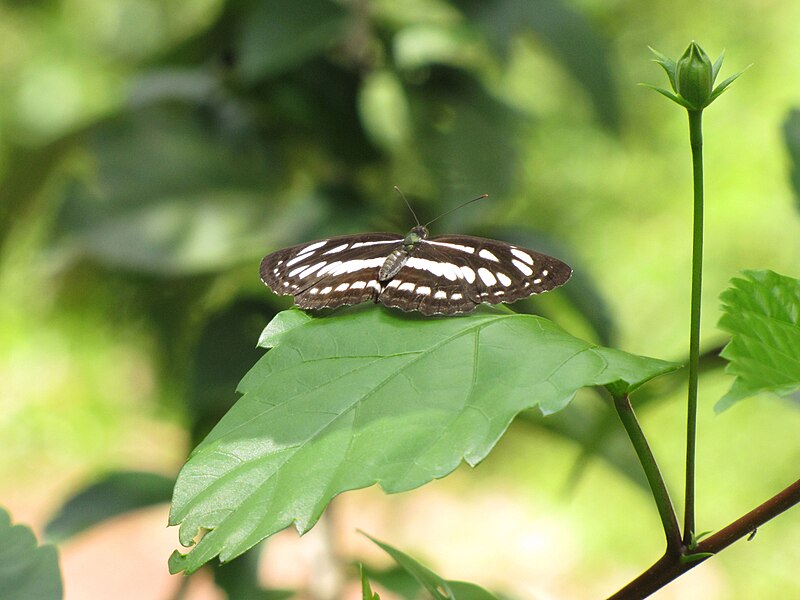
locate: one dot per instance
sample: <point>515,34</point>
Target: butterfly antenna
<point>481,197</point>
<point>403,196</point>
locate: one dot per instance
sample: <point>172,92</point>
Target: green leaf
<point>438,587</point>
<point>277,328</point>
<point>370,395</point>
<point>669,65</point>
<point>383,110</point>
<point>27,572</point>
<point>279,35</point>
<point>467,138</point>
<point>222,351</point>
<point>174,193</point>
<point>675,98</point>
<point>762,313</point>
<point>571,38</point>
<point>717,66</point>
<point>722,86</point>
<point>594,427</point>
<point>396,580</point>
<point>239,579</point>
<point>791,134</point>
<point>366,589</point>
<point>114,494</point>
<point>690,558</point>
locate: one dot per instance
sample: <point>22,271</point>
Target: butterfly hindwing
<point>452,274</point>
<point>331,272</point>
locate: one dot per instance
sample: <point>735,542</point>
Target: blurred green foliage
<point>151,152</point>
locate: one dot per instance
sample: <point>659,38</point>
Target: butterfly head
<point>415,236</point>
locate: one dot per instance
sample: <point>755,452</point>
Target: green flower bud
<point>695,77</point>
<point>692,78</point>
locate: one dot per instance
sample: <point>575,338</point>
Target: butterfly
<point>442,275</point>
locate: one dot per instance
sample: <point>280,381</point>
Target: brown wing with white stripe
<point>333,272</point>
<point>452,274</point>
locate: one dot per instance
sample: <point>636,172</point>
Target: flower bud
<point>695,77</point>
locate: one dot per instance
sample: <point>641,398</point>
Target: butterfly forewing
<point>452,274</point>
<point>332,272</point>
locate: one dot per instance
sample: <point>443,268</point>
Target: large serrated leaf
<point>762,313</point>
<point>375,396</point>
<point>27,571</point>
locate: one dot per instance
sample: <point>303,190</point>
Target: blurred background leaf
<point>112,495</point>
<point>791,132</point>
<point>29,571</point>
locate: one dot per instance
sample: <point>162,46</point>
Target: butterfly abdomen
<point>392,265</point>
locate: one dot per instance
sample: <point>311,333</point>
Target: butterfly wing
<point>331,272</point>
<point>452,274</point>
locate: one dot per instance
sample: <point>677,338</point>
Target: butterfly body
<point>399,256</point>
<point>446,274</point>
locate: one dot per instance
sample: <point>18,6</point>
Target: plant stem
<point>696,140</point>
<point>669,568</point>
<point>669,520</point>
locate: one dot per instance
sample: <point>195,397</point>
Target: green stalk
<point>669,520</point>
<point>696,140</point>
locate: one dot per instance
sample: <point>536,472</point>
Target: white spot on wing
<point>361,244</point>
<point>352,266</point>
<point>431,266</point>
<point>328,268</point>
<point>358,285</point>
<point>326,290</point>
<point>468,274</point>
<point>545,272</point>
<point>440,295</point>
<point>337,249</point>
<point>298,258</point>
<point>503,278</point>
<point>424,290</point>
<point>484,253</point>
<point>523,256</point>
<point>526,270</point>
<point>313,291</point>
<point>468,249</point>
<point>342,287</point>
<point>313,246</point>
<point>308,271</point>
<point>394,283</point>
<point>486,276</point>
<point>537,280</point>
<point>456,296</point>
<point>374,285</point>
<point>451,271</point>
<point>407,287</point>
